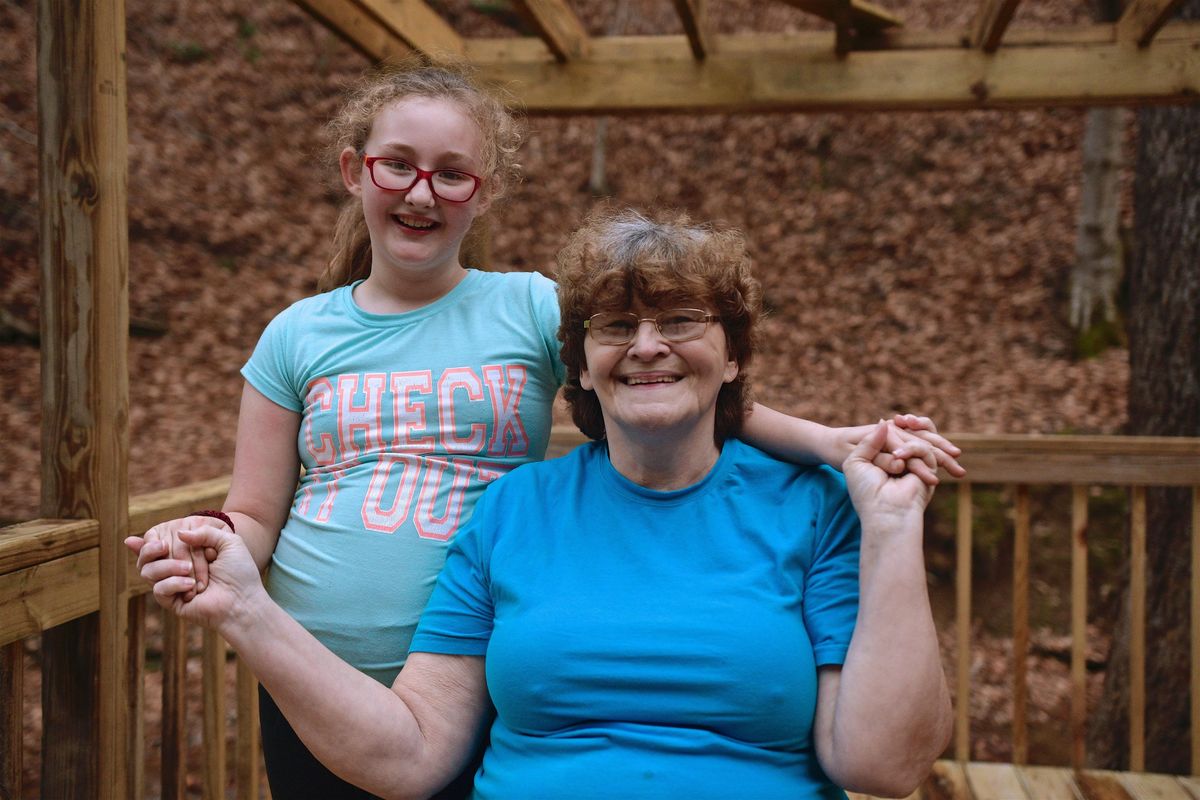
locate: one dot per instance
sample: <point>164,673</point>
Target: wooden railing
<point>49,575</point>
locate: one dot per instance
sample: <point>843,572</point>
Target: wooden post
<point>1079,574</point>
<point>962,610</point>
<point>91,719</point>
<point>1020,644</point>
<point>12,663</point>
<point>1137,632</point>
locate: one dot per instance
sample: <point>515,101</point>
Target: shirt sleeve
<point>831,588</point>
<point>543,295</point>
<point>459,617</point>
<point>269,369</point>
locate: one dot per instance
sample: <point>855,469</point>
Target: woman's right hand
<point>233,579</point>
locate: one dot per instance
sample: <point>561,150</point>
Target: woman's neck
<point>663,461</point>
<point>386,293</point>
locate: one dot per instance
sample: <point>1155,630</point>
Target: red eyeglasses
<point>397,175</point>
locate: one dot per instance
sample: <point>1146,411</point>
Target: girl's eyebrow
<point>447,157</point>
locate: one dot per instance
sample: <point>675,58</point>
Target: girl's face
<point>414,231</point>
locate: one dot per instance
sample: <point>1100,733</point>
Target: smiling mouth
<point>642,380</point>
<point>415,223</point>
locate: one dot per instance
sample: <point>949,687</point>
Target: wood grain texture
<point>1020,625</point>
<point>558,27</point>
<point>1143,19</point>
<point>174,707</point>
<point>34,542</point>
<point>416,24</point>
<point>693,14</point>
<point>358,27</point>
<point>247,753</point>
<point>1079,575</point>
<point>1137,630</point>
<point>962,624</point>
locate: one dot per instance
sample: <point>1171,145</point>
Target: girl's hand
<point>905,433</point>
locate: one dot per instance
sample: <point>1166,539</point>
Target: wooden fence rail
<point>49,575</point>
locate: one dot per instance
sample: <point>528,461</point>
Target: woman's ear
<point>731,371</point>
<point>352,169</point>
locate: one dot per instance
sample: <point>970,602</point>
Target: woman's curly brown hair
<point>664,260</point>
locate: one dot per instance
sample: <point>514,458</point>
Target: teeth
<point>422,224</point>
<point>637,381</point>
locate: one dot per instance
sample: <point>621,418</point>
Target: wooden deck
<point>953,780</point>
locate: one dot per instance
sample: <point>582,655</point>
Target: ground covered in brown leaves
<point>910,261</point>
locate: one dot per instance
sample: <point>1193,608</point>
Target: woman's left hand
<point>882,498</point>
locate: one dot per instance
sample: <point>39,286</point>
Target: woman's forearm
<point>893,714</point>
<point>385,740</point>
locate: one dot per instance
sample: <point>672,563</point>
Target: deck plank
<point>994,782</point>
<point>1049,783</point>
<point>1191,782</point>
<point>946,781</point>
<point>1095,784</point>
<point>1145,786</point>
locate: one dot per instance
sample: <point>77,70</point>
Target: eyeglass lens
<point>675,325</point>
<point>399,176</point>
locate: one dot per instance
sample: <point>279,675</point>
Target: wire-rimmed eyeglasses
<point>398,175</point>
<point>675,325</point>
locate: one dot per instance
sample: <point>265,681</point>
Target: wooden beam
<point>1142,19</point>
<point>762,73</point>
<point>29,543</point>
<point>85,438</point>
<point>694,16</point>
<point>416,24</point>
<point>558,26</point>
<point>991,21</point>
<point>864,16</point>
<point>359,28</point>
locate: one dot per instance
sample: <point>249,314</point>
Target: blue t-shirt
<point>645,644</point>
<point>405,419</point>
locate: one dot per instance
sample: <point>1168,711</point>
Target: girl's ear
<point>352,169</point>
<point>485,199</point>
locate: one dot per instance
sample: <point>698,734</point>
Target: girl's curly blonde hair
<point>499,128</point>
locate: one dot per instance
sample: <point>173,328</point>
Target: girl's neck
<point>662,462</point>
<point>386,293</point>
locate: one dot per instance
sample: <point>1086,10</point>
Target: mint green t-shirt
<point>405,419</point>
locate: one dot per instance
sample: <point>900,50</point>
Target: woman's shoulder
<point>755,464</point>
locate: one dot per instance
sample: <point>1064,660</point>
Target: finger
<point>135,544</point>
<point>168,590</point>
<point>889,463</point>
<point>937,440</point>
<point>922,470</point>
<point>200,565</point>
<point>151,551</point>
<point>914,422</point>
<point>206,537</point>
<point>167,568</point>
<point>870,445</point>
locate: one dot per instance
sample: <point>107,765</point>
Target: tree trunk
<point>1098,257</point>
<point>1164,400</point>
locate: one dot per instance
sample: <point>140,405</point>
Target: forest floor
<point>909,261</point>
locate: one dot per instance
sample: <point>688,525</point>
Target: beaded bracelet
<point>221,515</point>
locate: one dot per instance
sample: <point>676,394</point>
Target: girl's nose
<point>420,193</point>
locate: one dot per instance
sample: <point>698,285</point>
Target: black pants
<point>295,774</point>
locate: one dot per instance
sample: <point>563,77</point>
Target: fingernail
<point>200,587</point>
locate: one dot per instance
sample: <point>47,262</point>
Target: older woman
<point>665,612</point>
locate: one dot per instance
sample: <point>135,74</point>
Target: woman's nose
<point>647,341</point>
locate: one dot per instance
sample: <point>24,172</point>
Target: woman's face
<point>414,231</point>
<point>652,385</point>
